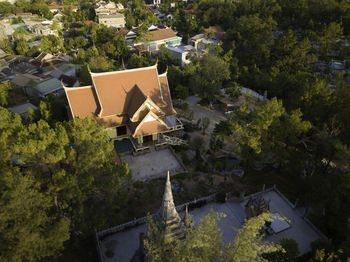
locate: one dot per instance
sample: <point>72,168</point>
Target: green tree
<point>204,242</point>
<point>250,37</point>
<point>248,244</point>
<point>100,64</point>
<point>4,92</point>
<point>136,61</point>
<point>211,72</point>
<point>22,47</point>
<point>29,230</point>
<point>329,37</point>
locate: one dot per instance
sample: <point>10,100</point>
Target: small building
<point>114,20</point>
<point>47,87</point>
<point>22,109</point>
<point>131,104</point>
<point>159,37</point>
<point>25,81</point>
<point>41,30</point>
<point>56,8</point>
<point>203,43</point>
<point>108,8</point>
<point>337,66</point>
<point>181,52</point>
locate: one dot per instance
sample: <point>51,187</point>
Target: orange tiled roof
<point>167,107</point>
<point>82,101</point>
<point>162,34</point>
<point>118,96</point>
<point>150,128</point>
<point>114,88</point>
<point>150,124</point>
<point>138,98</point>
<point>217,30</point>
<point>61,7</point>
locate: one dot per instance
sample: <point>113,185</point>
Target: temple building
<point>125,242</point>
<point>133,103</point>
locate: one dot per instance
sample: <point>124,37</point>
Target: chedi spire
<point>167,217</point>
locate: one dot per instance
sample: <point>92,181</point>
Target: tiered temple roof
<point>139,98</point>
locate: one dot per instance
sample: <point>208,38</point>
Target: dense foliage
<point>50,177</point>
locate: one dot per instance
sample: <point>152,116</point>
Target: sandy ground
<point>152,165</point>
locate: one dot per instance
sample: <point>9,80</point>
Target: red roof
<point>136,97</point>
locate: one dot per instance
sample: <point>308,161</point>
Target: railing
<point>98,246</point>
<point>136,222</point>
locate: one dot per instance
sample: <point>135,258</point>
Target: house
<point>46,87</point>
<point>58,15</point>
<point>108,8</point>
<point>181,52</point>
<point>217,31</point>
<point>41,30</point>
<point>131,104</point>
<point>25,81</point>
<point>22,109</point>
<point>56,8</point>
<point>204,42</point>
<point>157,38</point>
<point>114,20</point>
<point>64,69</point>
<point>337,66</point>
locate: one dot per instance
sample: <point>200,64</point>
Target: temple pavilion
<point>133,103</point>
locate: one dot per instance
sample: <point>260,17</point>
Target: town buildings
<point>112,20</point>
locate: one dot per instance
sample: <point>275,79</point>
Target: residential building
<point>56,8</point>
<point>108,8</point>
<point>46,87</point>
<point>181,52</point>
<point>204,43</point>
<point>41,30</point>
<point>157,38</point>
<point>22,109</point>
<point>25,82</point>
<point>131,104</point>
<point>114,20</point>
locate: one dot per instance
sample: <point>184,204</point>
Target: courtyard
<point>152,165</point>
<point>124,244</point>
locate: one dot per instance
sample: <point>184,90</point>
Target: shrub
<point>185,106</point>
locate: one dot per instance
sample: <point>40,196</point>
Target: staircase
<point>174,141</point>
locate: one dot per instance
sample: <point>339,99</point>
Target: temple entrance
<point>121,130</point>
<point>147,139</point>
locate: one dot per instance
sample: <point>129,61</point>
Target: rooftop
<point>119,96</point>
<point>48,86</point>
<point>162,34</point>
<point>115,15</point>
